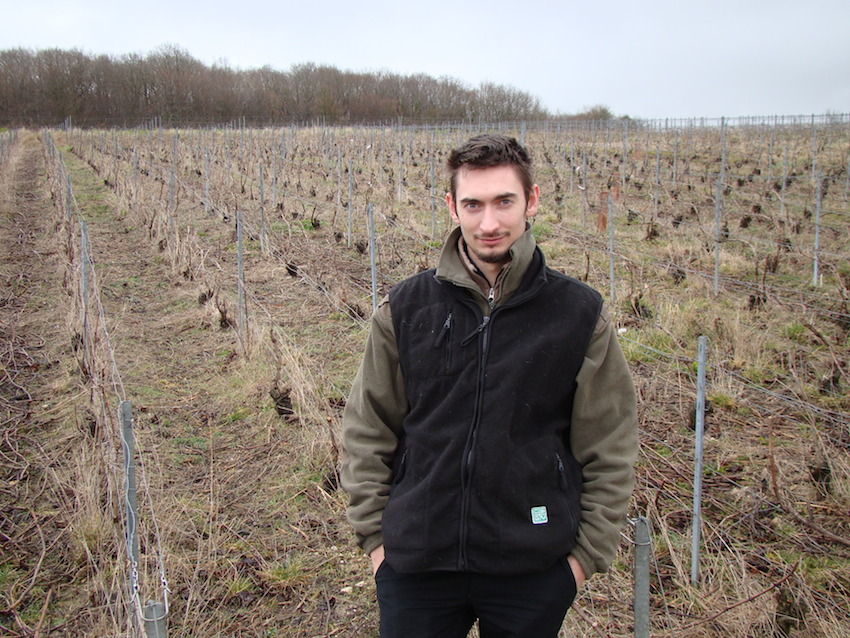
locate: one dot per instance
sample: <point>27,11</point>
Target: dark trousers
<point>446,604</point>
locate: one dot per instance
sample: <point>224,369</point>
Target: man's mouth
<point>490,239</point>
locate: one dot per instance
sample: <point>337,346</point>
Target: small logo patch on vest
<point>539,515</point>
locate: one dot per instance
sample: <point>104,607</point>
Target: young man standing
<point>490,434</point>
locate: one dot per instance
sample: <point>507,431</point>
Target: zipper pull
<point>477,331</point>
<point>562,474</point>
<point>447,326</point>
<point>491,298</point>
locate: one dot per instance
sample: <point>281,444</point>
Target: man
<point>490,434</point>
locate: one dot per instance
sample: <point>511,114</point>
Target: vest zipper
<point>469,448</point>
<point>445,337</point>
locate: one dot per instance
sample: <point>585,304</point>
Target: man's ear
<point>533,201</point>
<point>450,202</point>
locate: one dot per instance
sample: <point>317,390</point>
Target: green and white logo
<point>539,515</point>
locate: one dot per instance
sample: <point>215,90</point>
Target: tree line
<point>45,87</point>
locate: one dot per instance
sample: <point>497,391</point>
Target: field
<point>121,268</point>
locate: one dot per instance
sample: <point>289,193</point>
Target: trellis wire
<point>155,612</point>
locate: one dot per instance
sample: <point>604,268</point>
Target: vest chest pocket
<point>430,343</point>
<point>444,342</point>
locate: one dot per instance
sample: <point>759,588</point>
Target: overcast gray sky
<point>646,59</point>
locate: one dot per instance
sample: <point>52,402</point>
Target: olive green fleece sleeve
<point>371,425</point>
<point>604,441</point>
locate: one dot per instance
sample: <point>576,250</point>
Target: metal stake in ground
<point>641,600</point>
<point>371,216</point>
<point>700,428</point>
<point>131,512</point>
<point>817,231</point>
<point>240,279</point>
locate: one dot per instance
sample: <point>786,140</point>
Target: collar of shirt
<point>477,276</point>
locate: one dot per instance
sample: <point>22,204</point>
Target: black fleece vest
<point>484,480</point>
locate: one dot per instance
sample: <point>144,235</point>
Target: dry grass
<point>238,489</point>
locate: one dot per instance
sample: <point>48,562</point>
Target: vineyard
<point>219,283</point>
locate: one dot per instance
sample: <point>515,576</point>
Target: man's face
<point>491,207</point>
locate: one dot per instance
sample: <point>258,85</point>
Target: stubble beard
<point>493,257</point>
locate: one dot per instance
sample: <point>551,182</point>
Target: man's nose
<point>489,220</point>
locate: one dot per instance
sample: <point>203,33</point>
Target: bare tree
<point>49,85</point>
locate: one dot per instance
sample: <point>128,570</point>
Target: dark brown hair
<point>485,151</point>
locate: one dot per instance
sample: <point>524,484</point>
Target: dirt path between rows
<point>236,506</point>
<point>35,398</point>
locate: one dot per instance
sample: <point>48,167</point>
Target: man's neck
<point>489,272</point>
